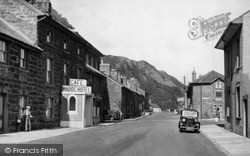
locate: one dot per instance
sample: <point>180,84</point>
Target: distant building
<point>121,94</point>
<point>235,43</point>
<point>206,95</point>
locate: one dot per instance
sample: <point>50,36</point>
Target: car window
<point>189,114</point>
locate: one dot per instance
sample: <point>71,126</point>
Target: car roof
<point>190,110</point>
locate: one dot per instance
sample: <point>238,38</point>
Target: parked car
<point>189,120</point>
<point>112,115</point>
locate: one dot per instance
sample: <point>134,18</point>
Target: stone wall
<point>114,93</point>
<point>22,82</point>
<point>204,100</point>
<point>20,17</point>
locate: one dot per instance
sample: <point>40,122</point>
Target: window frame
<point>78,73</point>
<point>49,70</point>
<point>218,85</point>
<point>49,106</point>
<point>238,61</point>
<point>65,44</point>
<point>65,72</point>
<point>76,100</point>
<point>3,52</point>
<point>238,103</point>
<point>49,37</point>
<point>216,95</point>
<point>78,51</point>
<point>21,104</point>
<point>23,59</point>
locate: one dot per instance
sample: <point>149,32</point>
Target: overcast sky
<point>152,30</point>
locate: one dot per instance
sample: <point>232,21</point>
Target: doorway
<point>245,118</point>
<point>1,112</point>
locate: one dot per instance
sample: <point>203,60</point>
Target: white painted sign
<point>78,82</point>
<point>76,89</point>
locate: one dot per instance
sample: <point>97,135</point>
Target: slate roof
<point>230,31</point>
<point>6,29</point>
<point>209,78</point>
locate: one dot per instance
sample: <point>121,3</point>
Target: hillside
<point>163,89</point>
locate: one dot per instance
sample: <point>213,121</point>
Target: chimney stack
<point>114,74</point>
<point>105,68</point>
<point>124,80</point>
<point>193,76</point>
<point>43,5</point>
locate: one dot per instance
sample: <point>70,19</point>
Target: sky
<point>152,30</point>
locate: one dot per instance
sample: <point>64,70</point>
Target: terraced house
<point>122,94</point>
<point>39,53</point>
<point>235,43</point>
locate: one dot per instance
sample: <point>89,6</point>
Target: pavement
<point>24,137</point>
<point>227,142</point>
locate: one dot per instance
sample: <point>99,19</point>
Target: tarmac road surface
<point>155,135</point>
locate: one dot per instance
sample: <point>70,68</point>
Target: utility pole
<point>185,101</point>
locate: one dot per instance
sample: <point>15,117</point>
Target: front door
<point>245,119</point>
<point>1,112</point>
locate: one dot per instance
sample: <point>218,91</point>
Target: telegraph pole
<point>185,105</point>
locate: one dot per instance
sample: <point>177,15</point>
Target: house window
<point>78,52</point>
<point>72,104</point>
<point>65,44</point>
<point>65,73</point>
<point>92,62</point>
<point>49,108</point>
<point>49,36</point>
<point>218,94</point>
<point>96,64</point>
<point>218,85</point>
<point>228,112</point>
<point>238,63</point>
<point>23,59</point>
<point>22,101</point>
<point>2,51</point>
<point>228,61</point>
<point>237,101</point>
<point>65,69</point>
<point>89,60</point>
<point>49,71</point>
<point>79,73</point>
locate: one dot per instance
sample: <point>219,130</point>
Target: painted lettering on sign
<point>78,82</point>
<point>208,28</point>
<point>77,89</point>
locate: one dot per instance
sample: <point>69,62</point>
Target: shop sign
<point>208,28</point>
<point>76,86</point>
<point>78,82</point>
<point>76,89</point>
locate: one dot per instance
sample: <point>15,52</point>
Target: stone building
<point>130,99</point>
<point>96,80</point>
<point>21,70</point>
<point>62,55</point>
<point>235,43</point>
<point>206,95</point>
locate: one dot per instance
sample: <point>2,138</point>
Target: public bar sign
<point>208,28</point>
<point>76,86</point>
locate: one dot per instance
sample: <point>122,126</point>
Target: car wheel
<point>197,131</point>
<point>180,130</point>
<point>111,118</point>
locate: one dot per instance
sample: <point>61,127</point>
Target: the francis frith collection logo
<point>208,28</point>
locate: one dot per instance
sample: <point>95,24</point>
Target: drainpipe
<point>201,101</point>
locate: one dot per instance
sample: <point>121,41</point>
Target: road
<point>155,135</point>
